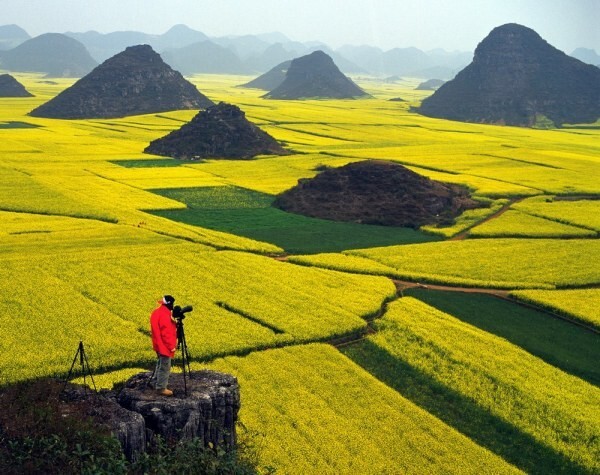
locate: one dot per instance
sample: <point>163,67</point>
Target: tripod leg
<point>88,368</point>
<point>72,366</point>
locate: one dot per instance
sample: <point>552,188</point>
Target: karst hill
<point>10,87</point>
<point>55,54</point>
<point>221,131</point>
<point>376,192</point>
<point>271,79</point>
<point>517,78</point>
<point>315,76</point>
<point>135,81</point>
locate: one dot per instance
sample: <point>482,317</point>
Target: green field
<point>249,213</point>
<point>94,231</point>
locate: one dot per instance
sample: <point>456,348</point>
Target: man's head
<point>168,301</point>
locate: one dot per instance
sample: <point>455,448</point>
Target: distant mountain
<point>430,85</point>
<point>403,61</point>
<point>12,36</point>
<point>410,62</point>
<point>244,47</point>
<point>367,57</point>
<point>51,53</point>
<point>270,58</point>
<point>271,79</point>
<point>315,75</point>
<point>10,87</point>
<point>103,46</point>
<point>177,37</point>
<point>517,78</point>
<point>221,131</point>
<point>204,57</point>
<point>135,81</point>
<point>586,55</point>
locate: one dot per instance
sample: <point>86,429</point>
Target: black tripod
<point>85,366</point>
<point>185,355</point>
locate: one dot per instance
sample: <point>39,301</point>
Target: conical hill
<point>221,131</point>
<point>315,76</point>
<point>135,81</point>
<point>517,78</point>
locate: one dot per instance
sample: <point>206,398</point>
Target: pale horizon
<point>426,24</point>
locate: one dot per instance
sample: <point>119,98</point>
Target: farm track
<point>465,233</point>
<point>402,285</point>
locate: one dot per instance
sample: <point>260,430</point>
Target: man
<point>164,342</point>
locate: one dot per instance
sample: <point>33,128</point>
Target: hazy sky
<point>426,24</point>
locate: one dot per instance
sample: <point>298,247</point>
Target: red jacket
<point>164,332</point>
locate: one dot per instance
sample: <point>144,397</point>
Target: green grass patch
<point>562,344</point>
<point>249,213</point>
<point>18,125</point>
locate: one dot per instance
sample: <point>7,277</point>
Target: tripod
<point>85,366</point>
<point>185,355</point>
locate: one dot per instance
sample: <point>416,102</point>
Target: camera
<point>179,313</point>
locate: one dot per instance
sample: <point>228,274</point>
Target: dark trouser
<point>162,371</point>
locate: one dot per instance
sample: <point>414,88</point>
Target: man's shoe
<point>164,392</point>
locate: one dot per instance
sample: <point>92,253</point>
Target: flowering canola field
<point>87,248</point>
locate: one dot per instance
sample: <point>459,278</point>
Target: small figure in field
<point>164,342</point>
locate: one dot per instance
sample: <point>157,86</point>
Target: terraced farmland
<point>94,232</point>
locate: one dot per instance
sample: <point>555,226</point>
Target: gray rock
<point>208,412</point>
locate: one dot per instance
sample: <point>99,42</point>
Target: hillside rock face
<point>271,79</point>
<point>221,131</point>
<point>135,81</point>
<point>51,53</point>
<point>376,192</point>
<point>10,87</point>
<point>315,75</point>
<point>516,77</point>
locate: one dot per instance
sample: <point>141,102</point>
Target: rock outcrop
<point>137,414</point>
<point>55,54</point>
<point>221,131</point>
<point>517,78</point>
<point>315,76</point>
<point>376,192</point>
<point>209,411</point>
<point>135,81</point>
<point>271,79</point>
<point>10,87</point>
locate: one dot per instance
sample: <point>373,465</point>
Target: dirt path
<point>464,234</point>
<point>402,285</point>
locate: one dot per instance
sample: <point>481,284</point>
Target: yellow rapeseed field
<point>83,257</point>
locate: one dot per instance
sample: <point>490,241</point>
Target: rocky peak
<point>135,81</point>
<point>221,131</point>
<point>517,78</point>
<point>315,75</point>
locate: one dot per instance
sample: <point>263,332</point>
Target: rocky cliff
<point>517,78</point>
<point>135,81</point>
<point>376,192</point>
<point>315,76</point>
<point>221,131</point>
